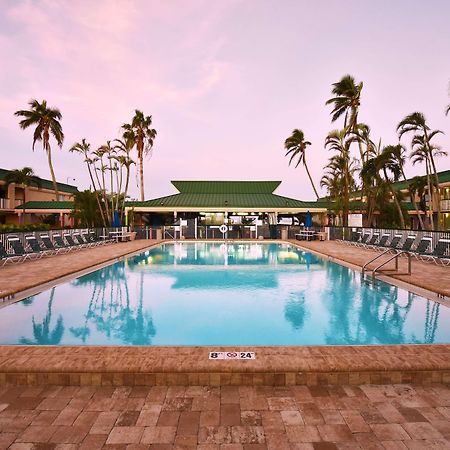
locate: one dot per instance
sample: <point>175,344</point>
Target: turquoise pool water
<point>219,294</point>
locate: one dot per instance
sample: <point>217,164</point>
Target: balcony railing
<point>445,205</point>
<point>6,203</point>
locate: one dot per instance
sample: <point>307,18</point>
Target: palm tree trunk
<point>397,203</point>
<point>96,193</point>
<point>125,192</point>
<point>141,173</point>
<point>309,176</point>
<point>23,205</point>
<point>435,183</point>
<point>430,195</point>
<point>363,187</point>
<point>345,204</point>
<point>52,172</point>
<point>105,198</point>
<point>438,194</point>
<point>413,201</point>
<point>119,178</point>
<point>47,148</point>
<point>105,205</point>
<point>399,208</point>
<point>112,189</point>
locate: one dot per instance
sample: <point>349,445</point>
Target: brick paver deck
<point>225,418</point>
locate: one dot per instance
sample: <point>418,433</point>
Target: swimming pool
<point>224,294</point>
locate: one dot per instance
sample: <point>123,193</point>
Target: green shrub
<point>12,228</point>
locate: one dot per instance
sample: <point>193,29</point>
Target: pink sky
<point>225,81</point>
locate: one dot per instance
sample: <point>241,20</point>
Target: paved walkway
<point>225,418</point>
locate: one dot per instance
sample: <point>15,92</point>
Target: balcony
<point>6,203</point>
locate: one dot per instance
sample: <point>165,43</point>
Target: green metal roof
<point>46,205</point>
<point>46,184</point>
<point>226,187</point>
<point>230,200</point>
<point>444,177</point>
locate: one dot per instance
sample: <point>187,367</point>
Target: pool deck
<point>225,418</point>
<point>157,366</point>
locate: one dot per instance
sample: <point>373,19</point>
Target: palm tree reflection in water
<point>42,333</point>
<point>295,311</point>
<point>110,308</point>
<point>431,321</point>
<point>378,319</point>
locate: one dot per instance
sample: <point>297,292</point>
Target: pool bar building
<point>232,202</point>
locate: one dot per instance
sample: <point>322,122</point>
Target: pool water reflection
<point>223,294</point>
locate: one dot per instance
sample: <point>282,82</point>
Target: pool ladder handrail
<point>394,256</point>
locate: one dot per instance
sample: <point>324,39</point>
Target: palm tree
<point>140,131</point>
<point>296,146</point>
<point>417,187</point>
<point>346,101</point>
<point>47,122</point>
<point>124,145</point>
<point>398,155</point>
<point>99,154</point>
<point>370,176</point>
<point>22,177</point>
<point>416,123</point>
<point>84,149</point>
<point>86,210</point>
<point>341,166</point>
<point>388,161</point>
<point>419,154</point>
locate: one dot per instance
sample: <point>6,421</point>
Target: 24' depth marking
<point>232,355</point>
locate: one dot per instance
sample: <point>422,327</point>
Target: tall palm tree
<point>296,146</point>
<point>143,134</point>
<point>346,102</point>
<point>23,177</point>
<point>416,123</point>
<point>47,122</point>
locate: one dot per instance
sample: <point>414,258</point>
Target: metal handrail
<point>397,254</point>
<point>374,259</point>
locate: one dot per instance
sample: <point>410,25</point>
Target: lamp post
<point>69,178</point>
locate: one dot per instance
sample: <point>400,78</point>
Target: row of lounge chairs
<point>47,246</point>
<point>423,251</point>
